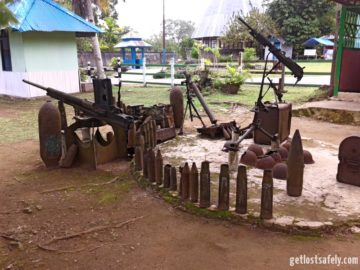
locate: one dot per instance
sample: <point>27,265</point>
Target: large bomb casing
<point>177,102</point>
<point>159,168</point>
<point>49,120</point>
<point>295,164</point>
<point>241,191</point>
<point>205,185</point>
<point>266,210</point>
<point>194,183</point>
<point>185,182</point>
<point>224,188</point>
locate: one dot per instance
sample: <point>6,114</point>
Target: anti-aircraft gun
<point>260,108</point>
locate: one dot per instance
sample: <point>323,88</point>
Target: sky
<point>145,16</point>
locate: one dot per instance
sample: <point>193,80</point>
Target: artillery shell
<point>241,191</point>
<point>173,179</point>
<point>148,135</point>
<point>159,168</point>
<point>177,102</point>
<point>154,139</point>
<point>131,137</point>
<point>151,165</point>
<point>167,175</point>
<point>266,211</point>
<point>185,182</point>
<point>138,158</point>
<point>205,185</point>
<point>194,183</point>
<point>145,164</point>
<point>170,116</point>
<point>49,120</point>
<point>295,164</point>
<point>224,182</point>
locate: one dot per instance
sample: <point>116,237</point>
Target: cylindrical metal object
<point>170,116</point>
<point>150,135</point>
<point>151,165</point>
<point>295,164</point>
<point>224,188</point>
<point>145,164</point>
<point>205,185</point>
<point>131,137</point>
<point>173,179</point>
<point>266,211</point>
<point>49,120</point>
<point>159,168</point>
<point>241,191</point>
<point>138,158</point>
<point>177,103</point>
<point>194,183</point>
<point>154,137</point>
<point>234,155</point>
<point>167,175</point>
<point>185,182</point>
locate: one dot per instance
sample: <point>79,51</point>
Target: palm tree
<point>6,17</point>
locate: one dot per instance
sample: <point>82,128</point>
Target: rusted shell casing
<point>308,159</point>
<point>177,103</point>
<point>173,179</point>
<point>194,183</point>
<point>151,135</point>
<point>205,185</point>
<point>276,157</point>
<point>224,188</point>
<point>249,158</point>
<point>154,139</point>
<point>241,191</point>
<point>151,165</point>
<point>70,155</point>
<point>138,139</point>
<point>131,137</point>
<point>265,163</point>
<point>49,121</point>
<point>185,182</point>
<point>167,175</point>
<point>266,211</point>
<point>170,116</point>
<point>349,161</point>
<point>145,164</point>
<point>280,171</point>
<point>257,149</point>
<point>159,168</point>
<point>138,158</point>
<point>286,145</point>
<point>295,165</point>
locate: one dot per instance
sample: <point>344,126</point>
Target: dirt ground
<point>124,227</point>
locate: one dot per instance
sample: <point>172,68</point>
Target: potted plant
<point>233,80</point>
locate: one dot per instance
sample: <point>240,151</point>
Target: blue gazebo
<point>132,41</point>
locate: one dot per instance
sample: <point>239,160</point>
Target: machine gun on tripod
<point>260,107</point>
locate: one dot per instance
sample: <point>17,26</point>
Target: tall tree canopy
<point>299,20</point>
<point>6,17</point>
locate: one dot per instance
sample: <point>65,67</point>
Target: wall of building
<point>17,52</point>
<point>55,51</point>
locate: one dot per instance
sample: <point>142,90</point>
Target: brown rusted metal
<point>249,158</point>
<point>266,210</point>
<point>169,116</point>
<point>295,164</point>
<point>69,157</point>
<point>257,149</point>
<point>131,137</point>
<point>154,138</point>
<point>185,182</point>
<point>224,188</point>
<point>218,130</point>
<point>62,111</point>
<point>165,134</point>
<point>349,161</point>
<point>265,163</point>
<point>234,155</point>
<point>173,179</point>
<point>151,165</point>
<point>280,171</point>
<point>308,159</point>
<point>138,158</point>
<point>276,157</point>
<point>49,120</point>
<point>167,175</point>
<point>283,152</point>
<point>159,168</point>
<point>205,185</point>
<point>145,164</point>
<point>241,191</point>
<point>286,145</point>
<point>194,183</point>
<point>177,102</point>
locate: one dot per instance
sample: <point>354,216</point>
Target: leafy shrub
<point>249,54</point>
<point>225,58</point>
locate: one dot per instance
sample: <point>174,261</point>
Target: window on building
<point>5,51</point>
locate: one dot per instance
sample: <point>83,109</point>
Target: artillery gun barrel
<point>88,108</point>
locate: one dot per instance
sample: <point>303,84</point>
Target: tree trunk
<point>84,9</point>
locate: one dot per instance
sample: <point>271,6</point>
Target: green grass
<point>18,117</point>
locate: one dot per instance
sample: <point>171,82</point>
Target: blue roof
<point>48,16</point>
<point>312,42</point>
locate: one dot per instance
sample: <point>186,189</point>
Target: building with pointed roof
<point>41,48</point>
<point>217,16</point>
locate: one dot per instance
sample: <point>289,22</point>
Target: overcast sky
<point>145,16</point>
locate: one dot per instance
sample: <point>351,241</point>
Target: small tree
<point>6,17</point>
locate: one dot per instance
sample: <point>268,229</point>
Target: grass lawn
<point>18,117</point>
